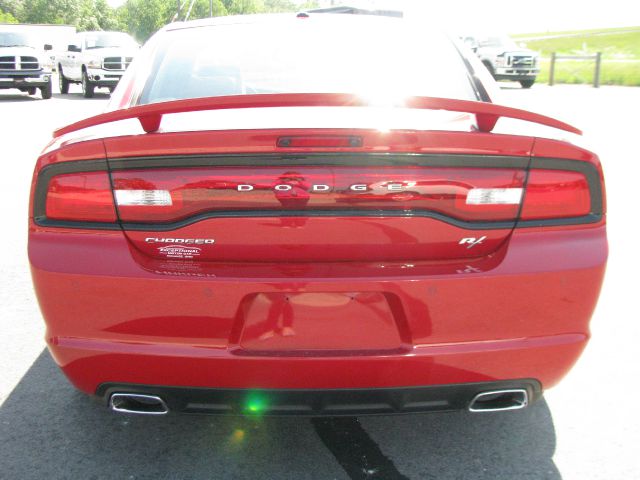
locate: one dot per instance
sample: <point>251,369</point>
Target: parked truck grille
<point>7,63</point>
<point>117,63</point>
<point>19,63</point>
<point>29,63</point>
<point>521,61</point>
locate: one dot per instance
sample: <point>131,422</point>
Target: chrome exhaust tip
<point>500,400</point>
<point>137,403</point>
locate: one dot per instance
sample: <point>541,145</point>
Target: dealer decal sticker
<point>179,251</point>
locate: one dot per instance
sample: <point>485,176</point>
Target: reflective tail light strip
<point>149,198</point>
<point>175,194</point>
<point>494,196</point>
<point>558,192</point>
<point>161,198</point>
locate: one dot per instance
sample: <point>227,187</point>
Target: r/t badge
<point>471,242</point>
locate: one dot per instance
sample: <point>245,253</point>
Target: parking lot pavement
<point>587,428</point>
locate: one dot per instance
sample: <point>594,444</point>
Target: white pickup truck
<point>24,63</point>
<point>504,59</point>
<point>96,59</point>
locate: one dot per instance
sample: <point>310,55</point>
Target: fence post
<point>552,68</point>
<point>596,74</point>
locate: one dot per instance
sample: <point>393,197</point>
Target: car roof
<point>261,19</point>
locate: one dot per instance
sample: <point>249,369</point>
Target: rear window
<point>497,42</point>
<point>315,55</point>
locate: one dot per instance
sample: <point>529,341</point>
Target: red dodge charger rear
<point>314,215</point>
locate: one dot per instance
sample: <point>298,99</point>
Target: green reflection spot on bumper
<point>255,404</point>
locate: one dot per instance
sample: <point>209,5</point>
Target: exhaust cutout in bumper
<point>137,403</point>
<point>500,400</point>
<point>475,397</point>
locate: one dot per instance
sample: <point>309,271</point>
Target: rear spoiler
<point>150,116</point>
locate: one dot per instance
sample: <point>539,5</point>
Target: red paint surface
<point>526,317</point>
<point>517,308</point>
<point>150,116</point>
<point>277,188</point>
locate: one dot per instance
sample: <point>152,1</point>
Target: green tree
<point>309,4</point>
<point>201,9</point>
<point>7,17</point>
<point>88,17</point>
<point>12,7</point>
<point>243,7</point>
<point>142,18</point>
<point>106,16</point>
<point>65,12</point>
<point>83,14</point>
<point>276,6</point>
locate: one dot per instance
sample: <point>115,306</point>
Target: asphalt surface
<point>587,428</point>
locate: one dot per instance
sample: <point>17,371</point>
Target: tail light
<point>80,197</point>
<point>170,195</point>
<point>464,194</point>
<point>556,194</point>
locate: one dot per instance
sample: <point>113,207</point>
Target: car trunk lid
<point>290,195</point>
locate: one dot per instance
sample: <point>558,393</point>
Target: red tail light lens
<point>556,194</point>
<point>169,195</point>
<point>80,197</point>
<point>469,194</point>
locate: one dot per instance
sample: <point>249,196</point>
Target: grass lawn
<point>620,49</point>
<point>612,73</point>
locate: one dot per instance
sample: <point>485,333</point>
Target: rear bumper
<point>89,363</point>
<point>111,321</point>
<point>326,402</point>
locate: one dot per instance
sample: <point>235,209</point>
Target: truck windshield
<point>370,57</point>
<point>16,39</point>
<point>107,40</point>
<point>501,41</point>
